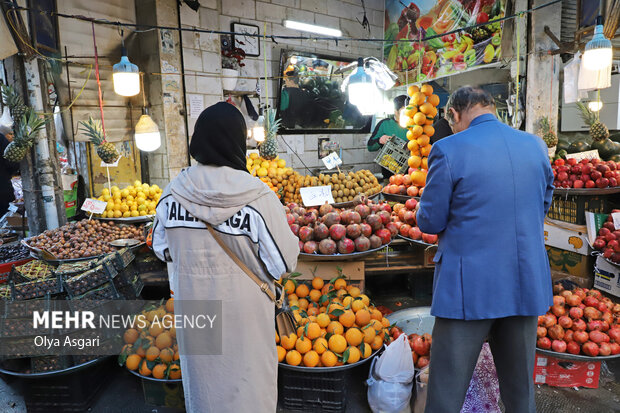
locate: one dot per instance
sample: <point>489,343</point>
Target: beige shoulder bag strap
<point>263,285</point>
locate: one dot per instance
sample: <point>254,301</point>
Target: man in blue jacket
<point>488,190</point>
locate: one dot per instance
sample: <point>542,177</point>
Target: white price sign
<point>316,195</point>
<point>593,154</point>
<point>616,217</point>
<point>94,206</point>
<point>332,160</point>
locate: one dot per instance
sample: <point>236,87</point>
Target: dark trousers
<point>455,350</point>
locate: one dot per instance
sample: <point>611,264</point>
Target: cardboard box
<point>557,372</point>
<point>568,237</point>
<point>570,262</point>
<point>16,220</point>
<point>429,254</point>
<point>607,276</point>
<point>352,270</point>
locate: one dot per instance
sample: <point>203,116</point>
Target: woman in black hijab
<point>250,220</point>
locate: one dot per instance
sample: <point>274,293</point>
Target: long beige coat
<point>251,221</point>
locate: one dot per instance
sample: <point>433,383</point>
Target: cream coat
<point>251,221</point>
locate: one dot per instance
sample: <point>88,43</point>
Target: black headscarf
<point>220,137</point>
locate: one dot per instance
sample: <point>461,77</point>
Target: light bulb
<point>363,92</point>
<point>126,77</point>
<point>598,53</point>
<point>595,105</point>
<point>147,134</point>
<point>258,131</point>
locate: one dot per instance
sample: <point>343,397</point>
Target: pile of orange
<point>150,346</point>
<point>336,325</point>
<point>420,113</point>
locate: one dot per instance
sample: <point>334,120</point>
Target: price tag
<point>332,160</point>
<point>616,217</point>
<point>94,206</point>
<point>316,195</point>
<point>593,154</point>
<point>111,165</point>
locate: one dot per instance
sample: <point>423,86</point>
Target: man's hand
<point>384,139</point>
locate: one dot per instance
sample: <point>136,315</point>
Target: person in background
<point>7,170</point>
<point>442,130</point>
<point>389,127</point>
<point>487,201</point>
<point>250,221</point>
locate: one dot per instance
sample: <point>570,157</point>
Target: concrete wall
<point>201,54</point>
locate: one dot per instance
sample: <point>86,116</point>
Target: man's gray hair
<point>466,97</point>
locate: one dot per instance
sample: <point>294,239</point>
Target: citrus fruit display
<point>150,344</point>
<point>272,172</point>
<point>135,200</point>
<point>336,324</point>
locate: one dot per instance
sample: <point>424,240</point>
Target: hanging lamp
<point>258,130</point>
<point>362,90</point>
<point>147,134</point>
<point>598,53</point>
<point>125,75</point>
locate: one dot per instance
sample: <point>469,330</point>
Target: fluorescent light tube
<point>312,28</point>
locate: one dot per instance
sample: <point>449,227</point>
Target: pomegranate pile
<point>608,240</point>
<point>328,230</point>
<point>403,216</point>
<point>580,321</point>
<point>588,173</point>
<point>420,346</point>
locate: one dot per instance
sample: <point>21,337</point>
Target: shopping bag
<point>391,379</point>
<point>421,387</point>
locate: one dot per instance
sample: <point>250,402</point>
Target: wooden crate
<point>353,271</point>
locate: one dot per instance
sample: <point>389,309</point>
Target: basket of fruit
<point>133,204</point>
<point>89,280</point>
<point>394,155</point>
<point>328,233</point>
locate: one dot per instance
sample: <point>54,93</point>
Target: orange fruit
<point>419,118</point>
<point>176,355</point>
<point>152,353</point>
<point>329,359</point>
<point>281,353</point>
<point>416,131</point>
<point>313,331</point>
<point>337,343</point>
<point>302,291</point>
<point>315,295</point>
<point>385,322</point>
<point>347,319</point>
<point>163,340</point>
<point>335,328</point>
<point>312,311</point>
<point>423,140</point>
<point>412,145</point>
<point>430,119</point>
<point>347,301</point>
<point>411,90</point>
<point>369,334</point>
<point>354,336</point>
<point>340,283</point>
<point>367,351</point>
<point>426,108</point>
<point>277,338</point>
<point>300,331</point>
<point>429,130</point>
<point>317,283</point>
<point>131,335</point>
<point>357,305</point>
<point>322,320</point>
<point>144,369</point>
<point>425,150</point>
<point>166,355</point>
<point>288,342</point>
<point>376,314</point>
<point>433,100</point>
<point>175,372</point>
<point>141,351</point>
<point>133,362</point>
<point>320,345</point>
<point>332,309</point>
<point>376,343</point>
<point>418,178</point>
<point>341,293</point>
<point>303,303</point>
<point>311,359</point>
<point>289,287</point>
<point>365,299</point>
<point>156,329</point>
<point>410,111</point>
<point>293,358</point>
<point>427,89</point>
<point>414,161</point>
<point>418,98</point>
<point>424,165</point>
<point>303,345</point>
<point>170,305</point>
<point>354,355</point>
<point>293,297</point>
<point>159,371</point>
<point>355,292</point>
<point>362,317</point>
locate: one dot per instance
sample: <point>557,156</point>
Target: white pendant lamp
<point>598,53</point>
<point>258,131</point>
<point>147,134</point>
<point>125,75</point>
<point>362,90</point>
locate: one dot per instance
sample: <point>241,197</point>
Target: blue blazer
<point>487,193</point>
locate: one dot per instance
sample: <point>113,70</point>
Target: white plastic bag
<point>6,121</point>
<point>571,81</point>
<point>391,379</point>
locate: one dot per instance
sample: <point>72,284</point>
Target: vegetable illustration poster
<point>444,53</point>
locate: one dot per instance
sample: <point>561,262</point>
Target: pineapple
<point>548,135</point>
<point>269,148</point>
<point>15,103</point>
<point>598,130</point>
<point>94,130</point>
<point>25,132</point>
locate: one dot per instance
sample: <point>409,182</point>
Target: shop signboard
<point>424,40</point>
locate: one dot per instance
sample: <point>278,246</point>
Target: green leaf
<point>306,329</point>
<point>294,308</point>
<point>328,336</point>
<point>337,312</point>
<point>323,299</point>
<point>345,355</point>
<point>150,364</point>
<point>367,326</point>
<point>293,275</point>
<point>122,358</point>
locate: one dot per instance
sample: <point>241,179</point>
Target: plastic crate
<point>73,392</point>
<point>35,289</point>
<point>71,269</point>
<point>90,279</point>
<point>313,392</point>
<point>572,208</point>
<point>163,394</point>
<point>129,283</point>
<point>149,263</point>
<point>394,156</point>
<point>25,308</point>
<point>32,270</point>
<point>93,298</point>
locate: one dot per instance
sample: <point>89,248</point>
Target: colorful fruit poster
<point>447,50</point>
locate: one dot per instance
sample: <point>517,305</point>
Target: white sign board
<point>616,217</point>
<point>332,160</point>
<point>94,206</point>
<point>316,195</point>
<point>196,105</point>
<point>593,154</point>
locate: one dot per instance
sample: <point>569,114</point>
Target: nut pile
<point>34,289</point>
<point>34,270</point>
<point>15,252</point>
<point>85,238</point>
